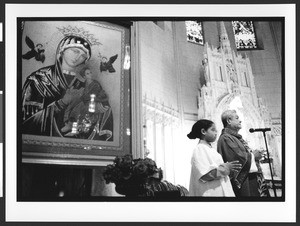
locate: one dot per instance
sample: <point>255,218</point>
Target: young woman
<point>209,174</point>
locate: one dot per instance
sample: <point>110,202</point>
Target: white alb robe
<point>205,159</point>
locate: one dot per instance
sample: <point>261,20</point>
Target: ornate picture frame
<point>40,48</point>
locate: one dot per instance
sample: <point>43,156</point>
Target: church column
<point>251,80</point>
<point>178,73</point>
<point>136,103</point>
<point>225,50</point>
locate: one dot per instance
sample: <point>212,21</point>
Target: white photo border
<point>150,211</point>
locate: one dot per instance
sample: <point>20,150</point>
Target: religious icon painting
<point>73,88</point>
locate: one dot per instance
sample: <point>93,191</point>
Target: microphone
<point>259,130</point>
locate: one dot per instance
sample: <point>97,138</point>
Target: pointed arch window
<point>244,34</point>
<point>194,32</point>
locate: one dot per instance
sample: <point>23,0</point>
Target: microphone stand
<point>264,132</point>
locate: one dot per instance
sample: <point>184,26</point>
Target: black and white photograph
<point>128,112</point>
<point>217,86</point>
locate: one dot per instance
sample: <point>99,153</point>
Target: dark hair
<point>82,71</point>
<point>198,126</point>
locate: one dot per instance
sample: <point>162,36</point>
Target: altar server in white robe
<point>209,174</point>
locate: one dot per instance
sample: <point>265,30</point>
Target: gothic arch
<point>249,114</point>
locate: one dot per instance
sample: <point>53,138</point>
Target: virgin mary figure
<point>49,91</point>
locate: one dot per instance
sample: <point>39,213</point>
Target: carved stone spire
<point>224,41</point>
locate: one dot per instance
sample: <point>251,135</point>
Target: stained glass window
<point>244,34</point>
<point>194,32</point>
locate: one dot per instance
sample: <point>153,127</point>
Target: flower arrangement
<point>134,173</point>
<point>140,177</point>
<point>126,168</point>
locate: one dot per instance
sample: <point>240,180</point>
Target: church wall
<point>190,55</point>
<point>161,63</point>
<point>266,62</point>
<point>212,33</point>
<point>266,66</point>
<point>158,71</point>
<point>171,69</point>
